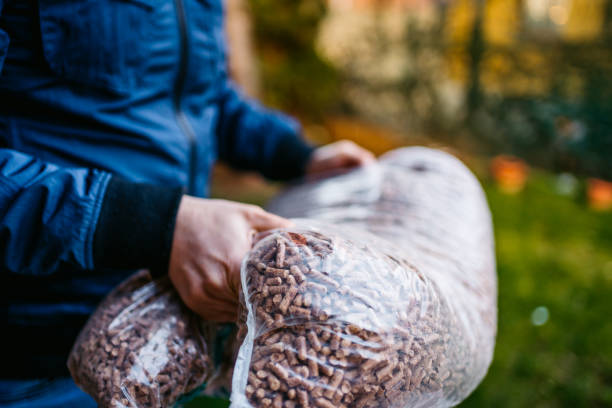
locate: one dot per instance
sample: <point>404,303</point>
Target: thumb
<point>263,221</point>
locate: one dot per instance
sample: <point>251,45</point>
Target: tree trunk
<point>242,62</point>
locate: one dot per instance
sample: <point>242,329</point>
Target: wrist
<point>136,226</point>
<point>292,157</point>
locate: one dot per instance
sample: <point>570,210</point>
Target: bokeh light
<point>539,316</point>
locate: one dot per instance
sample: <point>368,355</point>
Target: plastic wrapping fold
<point>383,295</point>
<point>142,347</point>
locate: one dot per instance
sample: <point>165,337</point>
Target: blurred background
<point>520,90</point>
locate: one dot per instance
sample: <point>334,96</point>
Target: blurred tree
<point>476,50</point>
<point>527,77</point>
<point>294,76</point>
<point>242,66</point>
<point>546,97</point>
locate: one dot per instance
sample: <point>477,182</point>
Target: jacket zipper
<point>179,85</point>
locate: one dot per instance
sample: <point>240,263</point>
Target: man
<point>110,112</point>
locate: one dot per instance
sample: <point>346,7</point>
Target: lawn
<point>552,252</point>
<point>554,346</point>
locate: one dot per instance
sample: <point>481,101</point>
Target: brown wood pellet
<point>141,348</point>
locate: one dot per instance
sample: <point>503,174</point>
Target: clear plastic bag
<point>142,347</point>
<point>386,296</point>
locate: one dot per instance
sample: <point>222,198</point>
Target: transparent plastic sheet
<point>142,347</point>
<point>385,296</point>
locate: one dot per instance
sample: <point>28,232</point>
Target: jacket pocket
<point>98,43</point>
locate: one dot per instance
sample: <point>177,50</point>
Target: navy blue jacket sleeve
<point>51,215</point>
<point>252,137</point>
<point>48,214</point>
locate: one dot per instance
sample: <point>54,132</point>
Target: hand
<point>210,239</point>
<point>337,157</point>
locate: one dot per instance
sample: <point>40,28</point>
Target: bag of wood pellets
<point>383,295</point>
<point>142,347</point>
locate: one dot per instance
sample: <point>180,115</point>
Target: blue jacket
<point>96,98</point>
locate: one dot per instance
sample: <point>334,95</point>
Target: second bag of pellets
<point>142,347</point>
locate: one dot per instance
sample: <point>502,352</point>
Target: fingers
<point>347,160</point>
<point>213,306</point>
<point>217,308</point>
<point>337,158</point>
<point>365,157</point>
<point>261,220</point>
<point>355,154</point>
<point>216,312</point>
<point>233,280</point>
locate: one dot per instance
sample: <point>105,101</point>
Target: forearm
<point>51,215</point>
<point>252,137</point>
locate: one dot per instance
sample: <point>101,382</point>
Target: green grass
<point>553,252</point>
<point>206,402</point>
